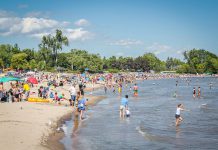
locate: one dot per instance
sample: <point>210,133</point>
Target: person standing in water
<point>199,92</point>
<point>194,92</point>
<point>178,117</point>
<point>135,89</point>
<point>113,89</point>
<point>210,85</point>
<point>105,88</point>
<point>123,106</point>
<point>72,91</point>
<point>120,88</point>
<point>81,106</point>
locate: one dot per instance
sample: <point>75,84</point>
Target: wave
<point>157,138</point>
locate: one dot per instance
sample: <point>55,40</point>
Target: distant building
<point>168,72</point>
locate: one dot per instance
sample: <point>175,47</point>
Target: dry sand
<point>26,125</point>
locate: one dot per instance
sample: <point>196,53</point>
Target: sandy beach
<point>35,126</point>
<point>27,125</point>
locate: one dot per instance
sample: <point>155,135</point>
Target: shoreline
<point>53,140</point>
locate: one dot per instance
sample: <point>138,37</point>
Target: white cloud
<point>157,48</point>
<point>179,52</point>
<point>82,22</point>
<point>37,24</point>
<point>78,34</point>
<point>127,42</point>
<point>38,14</point>
<point>37,27</point>
<point>119,54</point>
<point>4,13</point>
<point>39,35</point>
<point>27,25</point>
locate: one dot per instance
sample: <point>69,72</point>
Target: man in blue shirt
<point>123,106</point>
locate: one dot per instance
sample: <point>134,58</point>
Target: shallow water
<point>152,121</point>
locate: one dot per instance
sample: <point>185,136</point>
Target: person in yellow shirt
<point>26,88</point>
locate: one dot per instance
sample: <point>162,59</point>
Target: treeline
<point>49,56</point>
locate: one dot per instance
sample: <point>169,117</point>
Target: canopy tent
<point>6,79</point>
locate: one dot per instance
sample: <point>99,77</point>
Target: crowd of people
<point>75,84</point>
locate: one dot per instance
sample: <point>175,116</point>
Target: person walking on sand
<point>123,106</point>
<point>178,113</point>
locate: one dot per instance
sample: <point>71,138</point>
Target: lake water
<point>152,121</point>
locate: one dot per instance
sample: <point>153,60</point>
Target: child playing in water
<point>178,117</point>
<point>127,112</point>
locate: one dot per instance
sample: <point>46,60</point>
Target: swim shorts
<point>122,107</point>
<point>177,116</point>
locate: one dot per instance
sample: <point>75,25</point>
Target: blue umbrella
<point>6,79</point>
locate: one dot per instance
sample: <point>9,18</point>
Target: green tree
<point>59,40</point>
<point>81,59</point>
<point>199,61</point>
<point>184,68</point>
<point>32,64</point>
<point>45,52</point>
<point>6,54</point>
<point>173,63</point>
<point>19,61</point>
<point>1,63</point>
<point>53,44</point>
<point>41,65</point>
<point>63,60</point>
<point>30,54</point>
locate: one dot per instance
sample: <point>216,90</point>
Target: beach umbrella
<point>6,79</point>
<point>32,80</point>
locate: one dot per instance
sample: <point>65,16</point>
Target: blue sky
<point>114,27</point>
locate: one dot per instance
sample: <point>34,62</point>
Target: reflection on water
<point>152,121</point>
<point>75,124</point>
